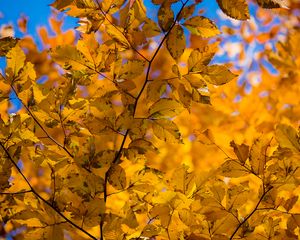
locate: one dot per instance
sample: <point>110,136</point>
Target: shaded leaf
<point>165,16</point>
<point>241,151</point>
<point>270,3</point>
<point>176,42</point>
<point>6,44</point>
<point>117,177</point>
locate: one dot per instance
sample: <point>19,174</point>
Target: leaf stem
<point>250,214</point>
<point>40,125</point>
<point>41,198</point>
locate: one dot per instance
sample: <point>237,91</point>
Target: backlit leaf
<point>236,9</point>
<point>166,130</point>
<point>15,60</point>
<point>270,3</point>
<point>165,108</point>
<point>217,74</point>
<point>201,57</point>
<point>6,44</point>
<point>117,177</point>
<point>234,169</point>
<point>165,16</point>
<point>201,26</point>
<point>116,34</point>
<point>176,42</point>
<point>287,137</point>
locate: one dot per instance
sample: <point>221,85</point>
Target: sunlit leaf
<point>217,74</point>
<point>236,9</point>
<point>201,26</point>
<point>166,130</point>
<point>165,108</point>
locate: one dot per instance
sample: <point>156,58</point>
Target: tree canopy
<point>133,125</point>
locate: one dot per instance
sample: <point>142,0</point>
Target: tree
<point>126,138</point>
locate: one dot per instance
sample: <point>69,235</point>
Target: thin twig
<point>40,125</point>
<point>116,159</point>
<point>41,198</point>
<point>253,211</point>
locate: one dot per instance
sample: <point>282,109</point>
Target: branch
<point>40,125</point>
<point>111,23</point>
<point>13,193</point>
<point>43,199</point>
<point>118,155</point>
<point>253,211</point>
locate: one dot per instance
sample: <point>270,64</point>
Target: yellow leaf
<point>176,42</point>
<point>237,9</point>
<point>241,151</point>
<point>202,26</point>
<point>166,130</point>
<point>6,44</point>
<point>161,211</point>
<point>217,74</point>
<point>271,3</point>
<point>287,137</point>
<point>117,177</point>
<point>70,58</point>
<point>201,57</point>
<point>131,69</point>
<point>15,60</point>
<point>232,168</point>
<point>27,135</point>
<point>150,28</point>
<point>115,33</point>
<point>165,16</point>
<point>165,108</point>
<point>258,155</point>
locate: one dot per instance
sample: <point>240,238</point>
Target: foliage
<point>127,137</point>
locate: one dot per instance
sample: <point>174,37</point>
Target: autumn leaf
<point>201,26</point>
<point>199,58</point>
<point>165,16</point>
<point>235,9</point>
<point>234,169</point>
<point>287,137</point>
<point>165,108</point>
<point>6,44</point>
<point>217,74</point>
<point>15,60</point>
<point>176,42</point>
<point>166,130</point>
<point>117,177</point>
<point>270,3</point>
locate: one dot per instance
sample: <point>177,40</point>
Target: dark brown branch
<point>14,193</point>
<point>41,198</point>
<point>253,211</point>
<point>118,155</point>
<point>40,125</point>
